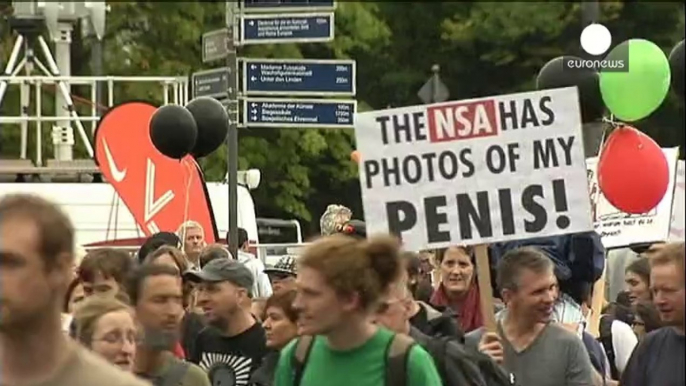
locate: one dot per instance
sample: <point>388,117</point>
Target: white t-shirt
<point>262,287</point>
<point>624,342</point>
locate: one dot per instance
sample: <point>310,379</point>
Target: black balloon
<point>173,131</point>
<point>555,75</point>
<point>212,122</point>
<point>676,65</point>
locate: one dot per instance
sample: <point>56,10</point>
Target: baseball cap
<point>285,265</point>
<point>219,270</point>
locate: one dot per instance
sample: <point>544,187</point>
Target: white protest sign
<point>676,229</point>
<point>620,229</point>
<point>475,171</point>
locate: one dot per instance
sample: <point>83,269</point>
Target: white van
<point>101,218</point>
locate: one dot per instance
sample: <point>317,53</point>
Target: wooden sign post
<point>483,271</point>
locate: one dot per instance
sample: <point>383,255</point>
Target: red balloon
<point>633,172</point>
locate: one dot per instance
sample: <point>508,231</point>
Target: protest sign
<point>475,171</point>
<point>620,229</point>
<point>676,229</point>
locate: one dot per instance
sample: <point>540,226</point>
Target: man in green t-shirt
<point>340,281</point>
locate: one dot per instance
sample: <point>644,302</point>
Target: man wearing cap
<point>282,275</point>
<point>232,347</point>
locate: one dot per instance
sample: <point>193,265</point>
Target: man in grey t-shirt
<point>535,351</point>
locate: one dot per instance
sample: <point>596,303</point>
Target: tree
<point>165,38</point>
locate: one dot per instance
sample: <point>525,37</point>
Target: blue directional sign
<point>298,77</point>
<point>287,5</point>
<point>212,83</point>
<point>287,28</point>
<point>299,113</point>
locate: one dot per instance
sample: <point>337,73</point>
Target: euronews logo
<point>595,41</point>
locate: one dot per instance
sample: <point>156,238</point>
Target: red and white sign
<point>619,229</point>
<point>475,171</point>
<point>160,192</point>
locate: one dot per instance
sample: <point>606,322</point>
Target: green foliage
<point>483,48</point>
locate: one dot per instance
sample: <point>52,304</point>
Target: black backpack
<point>459,365</point>
<point>396,359</point>
<point>605,338</point>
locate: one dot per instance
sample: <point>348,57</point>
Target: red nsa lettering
<point>462,121</point>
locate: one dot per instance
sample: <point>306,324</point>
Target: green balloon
<point>634,94</point>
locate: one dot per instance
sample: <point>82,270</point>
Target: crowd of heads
<point>119,304</point>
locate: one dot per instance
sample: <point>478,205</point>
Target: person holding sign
<point>536,351</point>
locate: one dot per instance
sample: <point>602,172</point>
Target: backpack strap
<point>396,360</point>
<point>605,338</point>
<point>303,346</point>
<point>175,375</point>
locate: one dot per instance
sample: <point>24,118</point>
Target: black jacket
<point>440,321</point>
<point>459,365</point>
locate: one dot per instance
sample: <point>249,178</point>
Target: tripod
<point>28,36</point>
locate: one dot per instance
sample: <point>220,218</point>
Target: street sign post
<point>287,28</point>
<point>214,45</point>
<point>302,113</point>
<point>299,77</point>
<point>287,5</point>
<point>211,83</point>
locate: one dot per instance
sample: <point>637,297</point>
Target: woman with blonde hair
<point>107,326</point>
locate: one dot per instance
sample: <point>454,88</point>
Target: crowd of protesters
<point>348,310</point>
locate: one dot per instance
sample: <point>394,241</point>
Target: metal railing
<point>293,249</point>
<point>174,90</point>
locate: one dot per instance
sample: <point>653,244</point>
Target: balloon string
<point>188,189</point>
<point>188,178</point>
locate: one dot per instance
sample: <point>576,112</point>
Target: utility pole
<point>590,12</point>
<point>232,109</point>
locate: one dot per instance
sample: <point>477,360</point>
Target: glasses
<point>120,338</point>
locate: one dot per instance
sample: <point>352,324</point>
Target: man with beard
<point>156,295</point>
<point>533,350</point>
<point>36,257</point>
<point>234,344</point>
